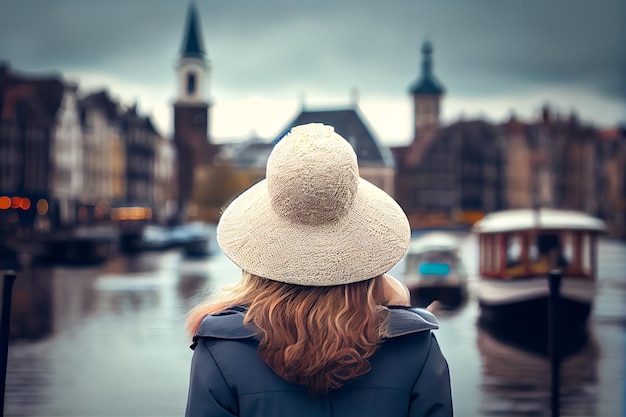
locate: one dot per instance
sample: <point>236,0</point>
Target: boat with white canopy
<point>519,248</point>
<point>434,270</point>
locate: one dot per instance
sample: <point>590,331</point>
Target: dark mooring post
<point>7,289</point>
<point>554,280</point>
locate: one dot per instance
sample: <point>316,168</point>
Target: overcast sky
<point>494,57</point>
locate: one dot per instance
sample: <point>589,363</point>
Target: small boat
<point>518,249</point>
<point>154,238</point>
<point>194,238</point>
<point>198,246</point>
<point>434,270</point>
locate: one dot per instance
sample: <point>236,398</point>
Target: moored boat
<point>195,240</point>
<point>78,249</point>
<point>434,270</point>
<point>518,249</point>
<point>198,246</point>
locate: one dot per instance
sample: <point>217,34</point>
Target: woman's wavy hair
<point>319,337</point>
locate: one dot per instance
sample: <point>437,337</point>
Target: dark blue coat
<point>409,375</point>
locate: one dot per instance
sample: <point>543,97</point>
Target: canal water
<point>110,342</point>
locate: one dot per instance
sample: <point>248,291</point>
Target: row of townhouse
<point>453,175</point>
<point>66,160</point>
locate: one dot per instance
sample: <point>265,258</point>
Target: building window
<point>191,83</point>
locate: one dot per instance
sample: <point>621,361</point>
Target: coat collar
<point>406,320</point>
<point>229,324</point>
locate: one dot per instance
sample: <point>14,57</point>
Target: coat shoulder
<point>228,324</point>
<point>407,320</point>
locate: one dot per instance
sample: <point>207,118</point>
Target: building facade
<point>140,140</point>
<point>66,160</point>
<point>102,156</point>
<point>67,157</point>
<point>165,181</point>
<point>40,135</point>
<point>451,178</point>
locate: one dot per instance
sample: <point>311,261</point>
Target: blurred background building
<point>67,160</point>
<point>68,157</point>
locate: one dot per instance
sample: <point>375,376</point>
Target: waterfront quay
<point>109,340</point>
<point>79,245</point>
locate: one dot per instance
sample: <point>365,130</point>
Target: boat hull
<point>198,247</point>
<point>526,325</point>
<point>525,304</point>
<point>449,296</point>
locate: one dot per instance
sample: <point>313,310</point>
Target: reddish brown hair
<point>319,337</point>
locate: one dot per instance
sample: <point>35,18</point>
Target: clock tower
<point>191,110</point>
<point>427,93</point>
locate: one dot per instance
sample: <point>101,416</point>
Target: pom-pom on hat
<point>313,221</point>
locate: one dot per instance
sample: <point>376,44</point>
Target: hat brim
<point>367,242</point>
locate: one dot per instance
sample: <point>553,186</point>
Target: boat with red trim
<point>518,249</point>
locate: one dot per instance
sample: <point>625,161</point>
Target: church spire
<point>192,44</point>
<point>427,60</point>
<point>427,93</point>
<point>193,66</point>
<point>427,83</point>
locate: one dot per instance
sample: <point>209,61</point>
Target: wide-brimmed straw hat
<point>313,221</point>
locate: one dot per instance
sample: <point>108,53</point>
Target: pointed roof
<point>103,101</point>
<point>192,44</point>
<point>350,124</point>
<point>427,84</point>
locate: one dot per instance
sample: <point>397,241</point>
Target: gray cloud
<point>482,47</point>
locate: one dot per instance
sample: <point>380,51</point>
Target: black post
<point>554,279</point>
<point>7,289</point>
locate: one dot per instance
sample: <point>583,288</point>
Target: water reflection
<point>518,382</point>
<point>110,341</point>
<point>32,305</point>
<point>29,389</point>
<point>105,341</point>
<point>534,338</point>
